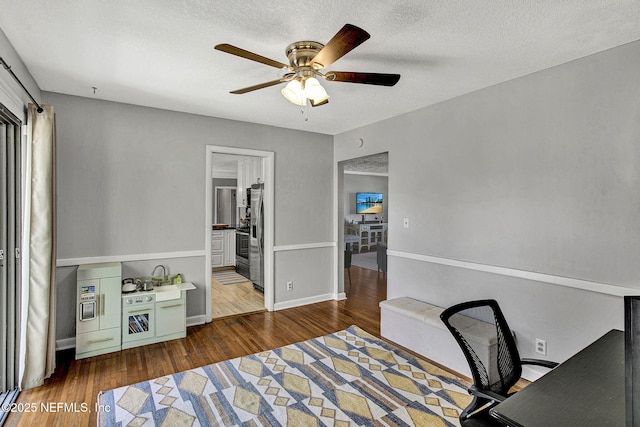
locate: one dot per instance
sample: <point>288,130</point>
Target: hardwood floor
<point>76,383</point>
<point>238,298</point>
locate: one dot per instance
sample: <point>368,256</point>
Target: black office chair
<point>381,258</point>
<point>492,379</point>
<point>347,265</point>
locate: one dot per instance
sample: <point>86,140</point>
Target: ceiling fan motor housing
<point>301,54</point>
<point>308,58</point>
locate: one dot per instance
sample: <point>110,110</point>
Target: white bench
<point>417,326</point>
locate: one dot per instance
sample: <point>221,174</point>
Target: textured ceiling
<point>159,53</point>
<point>375,164</point>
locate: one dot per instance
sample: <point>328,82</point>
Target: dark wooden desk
<point>586,390</point>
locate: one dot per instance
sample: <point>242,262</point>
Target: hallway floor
<point>238,298</point>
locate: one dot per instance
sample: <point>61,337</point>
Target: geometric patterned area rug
<point>341,379</point>
<point>367,260</point>
<point>229,277</point>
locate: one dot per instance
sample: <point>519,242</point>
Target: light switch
<point>405,223</point>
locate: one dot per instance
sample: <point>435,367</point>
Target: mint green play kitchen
<point>115,314</point>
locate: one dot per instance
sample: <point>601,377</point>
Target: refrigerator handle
<point>102,303</point>
<point>261,234</point>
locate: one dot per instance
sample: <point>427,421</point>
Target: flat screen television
<point>368,203</point>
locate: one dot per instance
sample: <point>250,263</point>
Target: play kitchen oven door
<point>138,319</point>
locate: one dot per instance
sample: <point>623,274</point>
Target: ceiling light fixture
<point>298,90</point>
<point>306,61</point>
<point>294,93</point>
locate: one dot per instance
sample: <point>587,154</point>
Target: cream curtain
<point>38,332</point>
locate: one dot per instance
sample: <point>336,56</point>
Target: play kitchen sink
<point>147,283</point>
<point>168,292</point>
<point>150,283</point>
<point>162,293</point>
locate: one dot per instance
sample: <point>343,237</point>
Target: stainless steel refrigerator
<point>256,238</point>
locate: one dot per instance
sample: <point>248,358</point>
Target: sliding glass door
<point>10,231</point>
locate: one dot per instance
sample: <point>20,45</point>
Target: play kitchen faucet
<point>164,270</point>
<point>164,279</point>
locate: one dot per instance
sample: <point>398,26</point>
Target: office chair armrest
<point>539,362</point>
<point>486,394</point>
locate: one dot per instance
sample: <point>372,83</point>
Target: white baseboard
<point>302,301</point>
<point>532,373</point>
<point>65,343</point>
<point>196,320</point>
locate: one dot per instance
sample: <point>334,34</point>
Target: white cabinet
<point>241,191</point>
<point>229,247</point>
<point>217,248</point>
<point>252,171</point>
<point>223,248</point>
<point>98,326</point>
<point>171,318</point>
<point>369,234</point>
<point>256,170</point>
<point>249,173</point>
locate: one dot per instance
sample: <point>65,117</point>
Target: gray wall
<point>539,174</point>
<point>131,182</point>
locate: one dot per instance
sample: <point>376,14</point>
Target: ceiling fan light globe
<point>320,99</point>
<point>294,93</point>
<point>313,89</point>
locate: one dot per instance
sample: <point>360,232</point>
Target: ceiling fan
<point>307,60</point>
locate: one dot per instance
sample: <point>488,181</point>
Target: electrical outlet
<point>289,285</point>
<point>541,346</point>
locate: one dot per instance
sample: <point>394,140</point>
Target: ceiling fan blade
<point>345,40</point>
<point>364,78</point>
<point>259,86</point>
<point>233,50</point>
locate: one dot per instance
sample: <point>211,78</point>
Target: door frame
<point>268,166</point>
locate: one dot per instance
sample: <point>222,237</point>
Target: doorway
<point>228,292</point>
<point>362,215</point>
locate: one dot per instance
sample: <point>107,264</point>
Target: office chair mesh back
<point>494,367</point>
<point>347,265</point>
